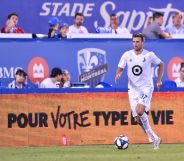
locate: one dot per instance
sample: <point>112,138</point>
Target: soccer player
<point>140,83</point>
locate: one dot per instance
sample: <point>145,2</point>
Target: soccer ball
<point>121,142</point>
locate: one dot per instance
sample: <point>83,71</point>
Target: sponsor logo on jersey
<point>137,70</point>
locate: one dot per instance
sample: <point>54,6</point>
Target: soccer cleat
<point>156,144</point>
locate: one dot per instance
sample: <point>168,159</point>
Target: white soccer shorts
<point>142,96</point>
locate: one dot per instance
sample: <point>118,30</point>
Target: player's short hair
<point>157,15</point>
<point>182,65</point>
<point>140,35</point>
<point>78,14</point>
<point>176,14</point>
<point>12,14</point>
<point>55,72</point>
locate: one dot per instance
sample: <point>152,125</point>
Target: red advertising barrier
<point>85,118</point>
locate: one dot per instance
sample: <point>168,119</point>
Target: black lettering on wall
<point>155,116</point>
<point>22,120</point>
<point>164,117</point>
<point>84,118</point>
<point>97,117</point>
<point>12,118</point>
<point>115,117</point>
<point>55,119</point>
<point>43,120</point>
<point>62,120</point>
<point>123,117</point>
<point>106,116</point>
<point>169,117</point>
<point>33,121</point>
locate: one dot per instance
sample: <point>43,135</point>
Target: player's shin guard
<point>147,127</point>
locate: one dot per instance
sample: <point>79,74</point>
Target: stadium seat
<point>169,84</point>
<point>103,85</point>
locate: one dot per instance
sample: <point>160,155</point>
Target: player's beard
<point>78,24</point>
<point>137,49</point>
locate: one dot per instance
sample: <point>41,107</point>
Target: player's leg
<point>144,120</point>
<point>133,100</point>
<point>142,106</point>
<point>138,120</point>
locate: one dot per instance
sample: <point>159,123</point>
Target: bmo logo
<point>38,70</point>
<point>173,68</point>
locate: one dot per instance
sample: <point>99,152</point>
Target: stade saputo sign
<point>128,17</point>
<point>73,120</point>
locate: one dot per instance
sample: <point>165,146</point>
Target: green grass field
<point>141,152</point>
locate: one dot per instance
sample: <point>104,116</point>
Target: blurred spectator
<point>176,27</point>
<point>20,78</point>
<point>180,80</point>
<point>77,28</point>
<point>65,80</point>
<point>52,81</point>
<point>11,24</point>
<point>154,31</point>
<point>114,22</point>
<point>113,28</point>
<point>63,31</point>
<point>54,24</point>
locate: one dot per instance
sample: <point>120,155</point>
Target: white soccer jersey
<point>74,30</point>
<point>120,30</point>
<point>139,67</point>
<point>47,83</point>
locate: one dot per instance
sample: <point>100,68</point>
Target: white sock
<point>147,127</point>
<point>143,128</point>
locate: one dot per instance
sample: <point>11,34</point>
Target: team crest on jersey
<point>144,59</point>
<point>90,58</point>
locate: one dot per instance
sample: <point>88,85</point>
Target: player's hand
<point>118,75</point>
<point>10,24</point>
<point>159,84</point>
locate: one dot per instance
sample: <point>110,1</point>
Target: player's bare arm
<point>160,74</point>
<point>118,73</point>
<point>166,35</point>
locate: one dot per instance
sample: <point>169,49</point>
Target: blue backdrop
<point>80,55</point>
<point>34,15</point>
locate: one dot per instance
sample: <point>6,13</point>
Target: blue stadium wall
<point>34,15</point>
<point>80,55</point>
